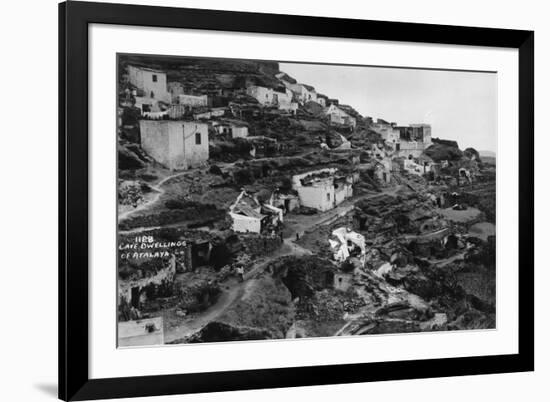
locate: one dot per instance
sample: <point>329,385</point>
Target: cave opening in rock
<point>135,297</point>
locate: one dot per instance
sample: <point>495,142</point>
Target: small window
<point>154,78</point>
<point>328,196</point>
<point>198,138</point>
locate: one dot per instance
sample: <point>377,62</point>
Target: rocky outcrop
<point>443,150</point>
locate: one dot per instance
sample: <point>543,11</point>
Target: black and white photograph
<point>275,201</point>
<point>271,200</point>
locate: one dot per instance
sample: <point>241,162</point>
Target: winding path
<point>146,205</point>
<point>232,290</point>
<point>236,289</point>
<point>197,322</point>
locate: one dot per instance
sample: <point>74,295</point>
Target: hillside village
<point>269,210</point>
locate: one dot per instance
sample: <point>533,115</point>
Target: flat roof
<point>147,69</point>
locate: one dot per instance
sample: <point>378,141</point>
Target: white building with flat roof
<point>174,143</point>
<point>152,82</point>
<point>322,189</point>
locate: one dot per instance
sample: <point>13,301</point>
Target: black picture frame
<point>74,18</point>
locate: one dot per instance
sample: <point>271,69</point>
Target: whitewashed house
<point>246,214</point>
<point>422,132</point>
<point>249,216</point>
<point>413,140</point>
<point>284,100</point>
<point>338,116</point>
<point>272,97</point>
<point>175,144</point>
<point>322,189</point>
<point>308,93</point>
<point>408,149</point>
<point>265,96</point>
<point>234,130</point>
<point>152,82</point>
<point>389,134</point>
<point>302,93</point>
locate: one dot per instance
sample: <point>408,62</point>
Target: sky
<point>460,106</point>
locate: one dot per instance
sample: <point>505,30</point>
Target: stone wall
<point>164,276</point>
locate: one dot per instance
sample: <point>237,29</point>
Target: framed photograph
<point>258,201</point>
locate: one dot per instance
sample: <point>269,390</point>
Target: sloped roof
<point>246,210</point>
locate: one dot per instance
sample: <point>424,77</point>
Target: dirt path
<point>146,205</point>
<point>195,323</point>
<point>233,290</point>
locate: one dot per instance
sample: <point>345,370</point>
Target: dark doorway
<point>135,297</point>
<point>200,254</point>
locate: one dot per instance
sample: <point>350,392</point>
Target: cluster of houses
<point>167,133</point>
<point>402,149</point>
<point>406,141</point>
<point>292,94</point>
<point>172,138</point>
<point>322,189</point>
